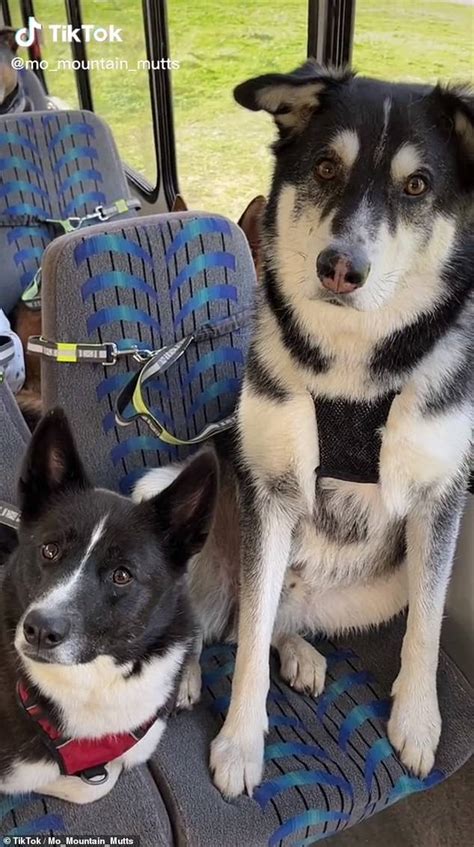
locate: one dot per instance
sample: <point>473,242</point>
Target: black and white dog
<point>354,423</point>
<point>95,624</point>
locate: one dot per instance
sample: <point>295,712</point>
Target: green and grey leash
<point>152,363</point>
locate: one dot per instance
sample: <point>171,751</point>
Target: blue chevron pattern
<point>97,244</point>
<point>224,360</point>
<point>36,826</point>
<point>321,769</point>
<point>81,129</point>
<point>116,279</point>
<point>25,184</point>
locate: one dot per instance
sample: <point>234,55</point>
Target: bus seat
<point>329,764</point>
<point>53,165</point>
<point>146,283</point>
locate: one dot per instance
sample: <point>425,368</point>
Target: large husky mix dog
<point>354,422</point>
<point>95,624</point>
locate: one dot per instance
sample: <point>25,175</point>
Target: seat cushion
<point>133,808</point>
<point>329,763</point>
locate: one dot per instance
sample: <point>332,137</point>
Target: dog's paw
<point>301,666</point>
<point>237,763</point>
<point>414,727</point>
<point>189,690</point>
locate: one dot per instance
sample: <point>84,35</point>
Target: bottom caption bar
<point>69,841</point>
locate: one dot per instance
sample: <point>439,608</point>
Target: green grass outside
<point>223,155</point>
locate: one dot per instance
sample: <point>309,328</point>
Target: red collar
<point>77,756</point>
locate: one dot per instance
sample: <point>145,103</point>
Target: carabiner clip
<point>100,214</point>
<point>74,223</point>
<point>142,356</point>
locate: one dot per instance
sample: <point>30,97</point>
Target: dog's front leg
<point>189,690</point>
<point>237,752</point>
<point>415,723</point>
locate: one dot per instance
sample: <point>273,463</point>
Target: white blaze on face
<point>379,150</point>
<point>346,145</point>
<point>62,592</point>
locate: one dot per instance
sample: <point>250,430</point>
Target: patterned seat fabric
<point>148,283</point>
<point>328,761</point>
<point>52,165</point>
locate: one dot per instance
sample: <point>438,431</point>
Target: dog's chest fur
<point>351,533</point>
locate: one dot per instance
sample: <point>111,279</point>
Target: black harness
<point>350,438</point>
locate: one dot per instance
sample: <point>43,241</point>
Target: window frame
<point>331,31</point>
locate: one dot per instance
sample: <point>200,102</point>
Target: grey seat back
<point>147,282</point>
<point>52,165</point>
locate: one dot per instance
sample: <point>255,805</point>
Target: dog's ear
<point>458,104</point>
<point>251,224</point>
<point>183,512</point>
<point>290,98</point>
<point>179,204</point>
<point>7,37</point>
<point>51,465</point>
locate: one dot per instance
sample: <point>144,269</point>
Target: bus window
<point>115,71</point>
<point>423,41</point>
<point>120,87</point>
<point>222,150</point>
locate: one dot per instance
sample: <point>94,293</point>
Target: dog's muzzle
<point>341,270</point>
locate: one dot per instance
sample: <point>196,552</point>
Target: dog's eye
<point>415,185</point>
<point>50,551</point>
<point>326,169</point>
<point>121,576</point>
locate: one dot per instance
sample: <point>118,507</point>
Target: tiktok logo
<point>25,36</point>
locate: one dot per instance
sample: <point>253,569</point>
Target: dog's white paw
<point>189,690</point>
<point>414,727</point>
<point>301,666</point>
<point>237,763</point>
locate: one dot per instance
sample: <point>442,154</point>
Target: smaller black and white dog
<point>95,625</point>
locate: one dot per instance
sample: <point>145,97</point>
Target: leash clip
<point>113,353</point>
<point>142,356</point>
<point>74,223</point>
<point>101,214</point>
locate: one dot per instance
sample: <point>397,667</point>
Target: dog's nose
<point>45,631</point>
<point>342,271</point>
